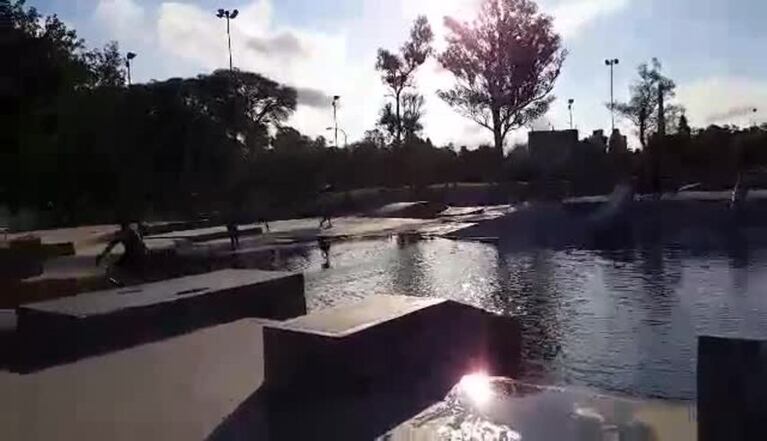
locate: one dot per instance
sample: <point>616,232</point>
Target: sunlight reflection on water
<point>619,320</point>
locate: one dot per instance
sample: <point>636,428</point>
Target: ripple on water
<point>622,320</point>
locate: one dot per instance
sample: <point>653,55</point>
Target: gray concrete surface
<point>177,389</point>
<point>217,283</point>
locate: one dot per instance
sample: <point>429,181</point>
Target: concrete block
<point>100,321</point>
<point>394,339</point>
<point>732,389</point>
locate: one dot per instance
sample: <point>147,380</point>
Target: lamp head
<point>234,14</point>
<point>130,55</point>
<point>220,13</point>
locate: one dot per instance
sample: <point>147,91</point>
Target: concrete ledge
<point>209,233</point>
<point>388,339</point>
<point>95,322</point>
<point>732,389</point>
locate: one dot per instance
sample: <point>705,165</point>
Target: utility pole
<point>335,119</point>
<point>612,63</point>
<point>661,113</point>
<point>129,56</point>
<point>570,109</point>
<point>228,15</point>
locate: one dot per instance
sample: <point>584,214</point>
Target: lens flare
<point>476,387</point>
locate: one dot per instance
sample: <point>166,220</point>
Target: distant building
<point>551,149</point>
<point>618,143</point>
<point>598,140</point>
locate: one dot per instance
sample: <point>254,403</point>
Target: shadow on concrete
<point>360,412</point>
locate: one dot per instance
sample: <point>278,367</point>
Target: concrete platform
<point>99,321</point>
<point>210,383</point>
<point>386,337</point>
<point>206,234</point>
<point>181,388</point>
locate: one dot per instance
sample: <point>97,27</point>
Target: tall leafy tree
<point>42,67</point>
<point>398,71</point>
<point>505,64</point>
<point>642,107</point>
<point>246,103</point>
<point>107,66</point>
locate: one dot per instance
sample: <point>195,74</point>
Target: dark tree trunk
<point>399,118</point>
<point>497,135</point>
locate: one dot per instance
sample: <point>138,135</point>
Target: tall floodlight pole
<point>228,15</point>
<point>129,56</point>
<point>570,109</point>
<point>343,132</point>
<point>612,64</point>
<point>335,119</point>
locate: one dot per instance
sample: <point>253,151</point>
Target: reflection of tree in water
<point>527,289</point>
<point>740,256</point>
<point>408,275</point>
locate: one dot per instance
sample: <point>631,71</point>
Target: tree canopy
<point>642,108</point>
<point>397,73</point>
<point>505,64</point>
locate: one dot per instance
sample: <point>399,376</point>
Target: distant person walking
<point>325,208</point>
<point>324,244</point>
<point>135,251</point>
<point>234,234</point>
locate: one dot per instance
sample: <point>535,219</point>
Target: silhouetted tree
<point>642,108</point>
<point>684,126</point>
<point>505,64</point>
<point>398,71</point>
<point>412,105</point>
<point>107,66</point>
<point>410,121</point>
<point>42,65</point>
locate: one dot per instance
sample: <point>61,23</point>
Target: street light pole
<point>343,132</point>
<point>129,56</point>
<point>570,109</point>
<point>228,15</point>
<point>612,64</point>
<point>335,119</point>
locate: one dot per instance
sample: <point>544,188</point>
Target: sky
<point>711,48</point>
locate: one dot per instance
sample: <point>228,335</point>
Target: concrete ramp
<point>417,210</point>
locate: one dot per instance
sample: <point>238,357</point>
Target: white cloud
<point>723,100</point>
<point>124,19</point>
<point>316,63</point>
<point>176,38</point>
<point>571,16</point>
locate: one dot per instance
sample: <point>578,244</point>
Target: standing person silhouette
<point>324,244</point>
<point>325,209</point>
<point>234,234</point>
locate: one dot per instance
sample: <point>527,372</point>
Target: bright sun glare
<point>476,387</point>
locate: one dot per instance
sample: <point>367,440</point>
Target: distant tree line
<point>79,145</point>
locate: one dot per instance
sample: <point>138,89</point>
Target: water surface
<point>621,320</point>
